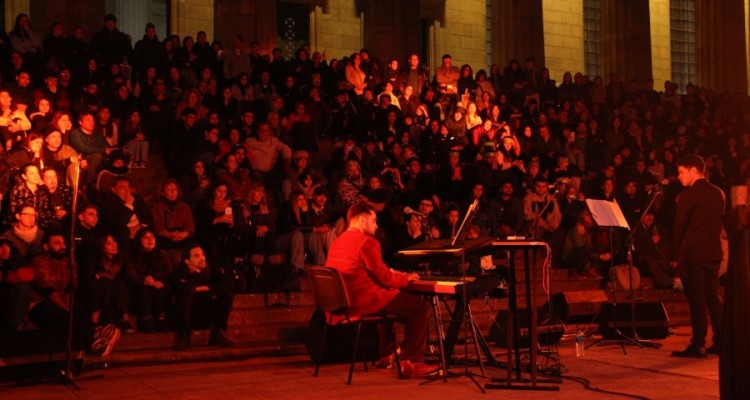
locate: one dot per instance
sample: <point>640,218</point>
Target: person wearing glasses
<point>25,234</point>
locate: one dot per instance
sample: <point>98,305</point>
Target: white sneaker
<point>110,334</point>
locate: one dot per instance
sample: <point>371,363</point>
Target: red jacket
<point>370,283</point>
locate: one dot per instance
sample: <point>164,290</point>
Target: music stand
<point>609,215</point>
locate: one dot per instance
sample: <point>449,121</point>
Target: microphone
<point>409,211</point>
<point>656,189</point>
<point>560,183</point>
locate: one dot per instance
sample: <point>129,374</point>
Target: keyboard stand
<point>514,329</point>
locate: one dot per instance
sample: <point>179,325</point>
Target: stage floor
<point>649,373</point>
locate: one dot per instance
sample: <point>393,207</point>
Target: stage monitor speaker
<point>651,320</point>
<point>340,341</point>
<point>577,306</point>
<point>550,329</point>
<point>39,353</point>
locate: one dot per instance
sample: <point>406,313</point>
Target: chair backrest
<point>329,290</point>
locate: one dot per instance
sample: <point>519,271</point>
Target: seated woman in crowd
<point>147,268</point>
<point>109,303</point>
<point>30,191</point>
<point>59,205</point>
<point>173,220</point>
<point>214,220</point>
<point>256,224</point>
<point>586,249</point>
<point>108,127</point>
<point>136,142</point>
<point>61,157</point>
<point>62,123</point>
<point>42,116</point>
<point>294,228</point>
<point>26,151</point>
<point>195,184</point>
<point>236,180</point>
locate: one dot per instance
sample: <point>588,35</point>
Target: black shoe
<point>182,342</point>
<point>714,349</point>
<point>691,352</point>
<point>218,339</point>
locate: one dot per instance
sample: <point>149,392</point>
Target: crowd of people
<point>249,185</point>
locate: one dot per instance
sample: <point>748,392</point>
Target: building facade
<point>684,41</point>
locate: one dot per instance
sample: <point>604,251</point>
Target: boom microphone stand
<point>621,337</point>
<point>629,243</point>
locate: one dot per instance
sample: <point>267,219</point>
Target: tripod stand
<point>462,309</point>
<point>607,213</point>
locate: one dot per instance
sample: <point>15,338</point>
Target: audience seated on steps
<point>237,161</point>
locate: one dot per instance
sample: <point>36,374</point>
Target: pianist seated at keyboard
<point>373,288</point>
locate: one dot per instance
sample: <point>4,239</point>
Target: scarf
<point>27,236</point>
<point>220,205</point>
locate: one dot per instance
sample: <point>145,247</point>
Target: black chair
<point>332,298</point>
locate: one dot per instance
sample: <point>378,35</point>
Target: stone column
<point>720,46</point>
<point>626,40</point>
<point>392,28</point>
<point>517,31</point>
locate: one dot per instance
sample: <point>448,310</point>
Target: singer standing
<point>698,253</point>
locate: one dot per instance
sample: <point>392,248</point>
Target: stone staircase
<point>278,330</point>
<point>282,329</point>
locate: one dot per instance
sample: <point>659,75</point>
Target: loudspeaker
<point>651,320</point>
<point>340,341</point>
<point>549,328</point>
<point>37,353</point>
<point>580,306</point>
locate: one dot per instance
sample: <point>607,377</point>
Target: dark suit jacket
<point>114,217</point>
<point>697,225</point>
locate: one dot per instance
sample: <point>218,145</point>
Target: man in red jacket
<point>373,288</point>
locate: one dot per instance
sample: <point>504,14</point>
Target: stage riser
<point>252,321</point>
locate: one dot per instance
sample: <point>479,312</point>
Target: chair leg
<point>395,356</point>
<point>354,354</point>
<point>322,349</point>
<point>364,362</point>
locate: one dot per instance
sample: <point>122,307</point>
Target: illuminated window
<point>682,38</point>
<point>592,37</point>
<point>293,27</point>
<point>133,15</point>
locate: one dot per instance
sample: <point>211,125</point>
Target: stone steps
<point>199,352</point>
<point>259,330</point>
<point>252,322</point>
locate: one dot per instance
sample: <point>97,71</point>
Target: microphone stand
<point>68,377</point>
<point>622,338</point>
<point>468,318</point>
<point>630,248</point>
